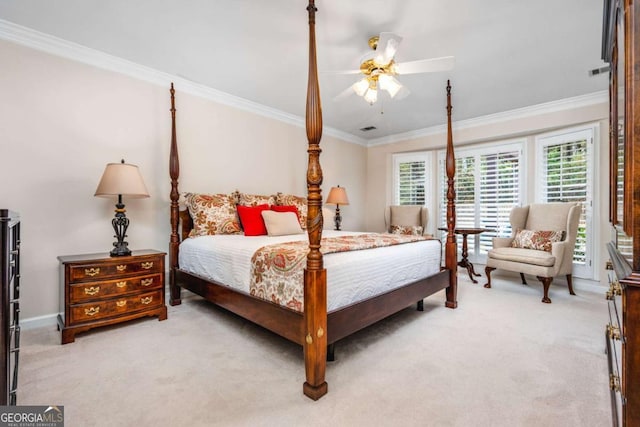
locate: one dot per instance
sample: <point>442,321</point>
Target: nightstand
<point>98,290</point>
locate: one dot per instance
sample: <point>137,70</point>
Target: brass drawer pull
<point>147,265</point>
<point>122,284</point>
<point>614,289</point>
<point>613,332</point>
<point>121,268</point>
<point>92,311</point>
<point>614,382</point>
<point>146,300</point>
<point>92,271</point>
<point>92,290</point>
<point>146,282</point>
<point>121,303</point>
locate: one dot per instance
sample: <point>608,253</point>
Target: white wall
<point>61,122</point>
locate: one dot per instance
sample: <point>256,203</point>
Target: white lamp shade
<point>337,196</point>
<point>122,179</point>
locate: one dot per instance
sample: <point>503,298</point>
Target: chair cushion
<point>525,256</point>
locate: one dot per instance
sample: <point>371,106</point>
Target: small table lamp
<point>121,179</point>
<point>337,196</point>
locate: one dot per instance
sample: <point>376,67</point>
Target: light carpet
<point>502,358</point>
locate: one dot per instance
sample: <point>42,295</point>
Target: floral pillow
<point>212,214</point>
<point>538,240</point>
<point>412,230</point>
<point>256,200</point>
<point>298,202</point>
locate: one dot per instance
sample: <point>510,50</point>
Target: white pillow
<point>281,223</point>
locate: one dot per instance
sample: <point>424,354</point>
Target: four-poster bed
<point>314,327</point>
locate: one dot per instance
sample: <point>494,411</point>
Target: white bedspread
<point>351,276</point>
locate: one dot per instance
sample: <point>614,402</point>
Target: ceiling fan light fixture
<point>360,87</point>
<point>371,96</point>
<point>390,84</point>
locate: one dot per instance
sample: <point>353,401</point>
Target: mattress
<point>351,276</point>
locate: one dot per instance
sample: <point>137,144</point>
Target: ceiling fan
<point>380,69</point>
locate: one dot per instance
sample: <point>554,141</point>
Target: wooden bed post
<point>315,277</point>
<point>174,172</point>
<point>451,246</point>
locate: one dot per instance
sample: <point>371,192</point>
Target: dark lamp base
<point>120,250</point>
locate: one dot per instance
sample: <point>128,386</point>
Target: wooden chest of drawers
<point>98,290</point>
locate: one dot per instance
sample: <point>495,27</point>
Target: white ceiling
<point>509,53</point>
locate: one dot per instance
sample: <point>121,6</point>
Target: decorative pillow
<point>539,240</point>
<point>255,199</point>
<point>281,223</point>
<point>212,214</point>
<point>288,208</point>
<point>298,202</point>
<point>251,219</point>
<point>412,230</point>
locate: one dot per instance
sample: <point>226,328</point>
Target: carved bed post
<point>315,277</point>
<point>174,172</point>
<point>451,247</point>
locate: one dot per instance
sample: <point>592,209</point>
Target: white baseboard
<point>39,322</point>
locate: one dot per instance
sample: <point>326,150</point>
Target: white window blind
<point>565,176</point>
<point>411,178</point>
<point>488,186</point>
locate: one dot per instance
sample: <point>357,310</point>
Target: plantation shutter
<point>411,178</point>
<point>487,187</point>
<point>411,183</point>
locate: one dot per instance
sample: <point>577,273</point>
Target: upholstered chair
<point>406,219</point>
<point>542,244</point>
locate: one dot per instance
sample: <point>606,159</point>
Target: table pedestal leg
<point>464,262</point>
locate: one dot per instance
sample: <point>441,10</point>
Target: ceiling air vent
<point>367,128</point>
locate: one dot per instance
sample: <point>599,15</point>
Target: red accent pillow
<point>251,219</point>
<point>286,208</point>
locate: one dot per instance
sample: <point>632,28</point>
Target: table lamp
<point>121,179</point>
<point>337,196</point>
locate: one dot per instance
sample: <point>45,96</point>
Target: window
<point>565,175</point>
<point>488,185</point>
<point>411,183</point>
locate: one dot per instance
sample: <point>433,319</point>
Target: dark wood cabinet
<point>98,290</point>
<point>621,48</point>
<point>9,306</point>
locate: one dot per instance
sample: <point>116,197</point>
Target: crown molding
<point>519,113</point>
<point>59,47</point>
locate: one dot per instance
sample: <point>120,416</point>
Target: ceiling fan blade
<point>344,94</point>
<point>341,72</point>
<point>431,65</point>
<point>387,46</point>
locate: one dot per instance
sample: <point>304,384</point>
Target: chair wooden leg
<point>524,281</point>
<point>487,271</point>
<point>570,283</point>
<point>546,282</point>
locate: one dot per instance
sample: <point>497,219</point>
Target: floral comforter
<point>277,270</point>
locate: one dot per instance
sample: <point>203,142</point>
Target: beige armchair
<point>406,219</point>
<point>544,255</point>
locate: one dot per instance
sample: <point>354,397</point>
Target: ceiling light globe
<point>371,96</point>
